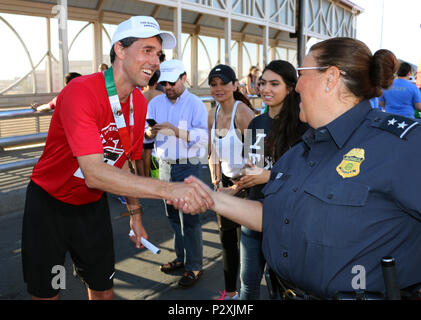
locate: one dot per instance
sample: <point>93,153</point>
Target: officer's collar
<point>339,129</point>
<point>342,127</point>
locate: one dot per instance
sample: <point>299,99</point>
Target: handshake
<point>191,196</point>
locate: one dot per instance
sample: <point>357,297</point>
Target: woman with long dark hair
<point>273,133</point>
<point>227,124</point>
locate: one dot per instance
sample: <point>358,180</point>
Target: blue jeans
<point>188,242</point>
<point>252,264</point>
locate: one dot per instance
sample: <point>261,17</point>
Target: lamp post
<point>381,31</point>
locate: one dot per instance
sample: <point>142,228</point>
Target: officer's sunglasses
<point>172,84</point>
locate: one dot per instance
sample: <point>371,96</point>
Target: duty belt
<point>289,291</point>
<point>283,289</point>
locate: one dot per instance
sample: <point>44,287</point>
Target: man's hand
<point>166,129</point>
<point>34,106</point>
<point>139,231</point>
<point>192,197</point>
<point>151,132</point>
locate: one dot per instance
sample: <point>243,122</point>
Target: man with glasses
<point>181,140</point>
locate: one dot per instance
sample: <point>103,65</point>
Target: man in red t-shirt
<point>96,132</point>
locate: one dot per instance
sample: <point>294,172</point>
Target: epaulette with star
<point>398,125</point>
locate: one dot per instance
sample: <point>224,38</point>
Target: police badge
<point>350,165</point>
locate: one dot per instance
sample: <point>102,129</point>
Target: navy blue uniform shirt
<point>344,197</point>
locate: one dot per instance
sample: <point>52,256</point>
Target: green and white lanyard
<point>125,133</point>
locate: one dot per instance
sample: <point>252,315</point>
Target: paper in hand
<point>147,244</point>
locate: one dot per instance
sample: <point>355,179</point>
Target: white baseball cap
<point>171,70</point>
<point>143,27</point>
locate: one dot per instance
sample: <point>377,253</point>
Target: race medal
<point>350,165</point>
<point>124,132</point>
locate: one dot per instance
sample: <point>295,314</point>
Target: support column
<point>240,60</point>
<point>49,66</point>
<point>97,39</point>
<point>266,34</point>
<point>227,35</point>
<point>63,42</point>
<point>265,45</point>
<point>273,53</point>
<point>219,52</point>
<point>97,34</point>
<point>194,65</point>
<point>177,51</point>
<point>301,31</point>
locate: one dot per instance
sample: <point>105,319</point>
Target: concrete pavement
<point>137,274</point>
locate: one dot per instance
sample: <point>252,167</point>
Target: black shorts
<point>52,228</point>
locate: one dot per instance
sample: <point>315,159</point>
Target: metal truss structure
<point>236,32</point>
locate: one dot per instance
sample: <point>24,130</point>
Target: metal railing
<point>21,113</point>
<point>37,138</point>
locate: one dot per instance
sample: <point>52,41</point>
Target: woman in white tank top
<point>228,146</point>
<point>227,124</point>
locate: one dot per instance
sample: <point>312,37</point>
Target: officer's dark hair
<point>70,76</point>
<point>404,69</point>
<point>285,127</point>
<point>365,75</point>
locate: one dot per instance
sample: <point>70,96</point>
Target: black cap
<point>223,72</point>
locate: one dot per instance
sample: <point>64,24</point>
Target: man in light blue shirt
<point>181,141</point>
<point>403,97</point>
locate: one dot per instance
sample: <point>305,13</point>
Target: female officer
<point>348,193</point>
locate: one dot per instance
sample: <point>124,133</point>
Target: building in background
<point>52,37</point>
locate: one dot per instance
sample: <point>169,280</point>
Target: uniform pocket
<point>342,194</point>
<point>276,181</point>
<point>335,214</point>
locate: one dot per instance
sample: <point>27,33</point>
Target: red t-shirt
<point>83,124</point>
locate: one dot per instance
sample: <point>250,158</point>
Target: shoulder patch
<point>398,125</point>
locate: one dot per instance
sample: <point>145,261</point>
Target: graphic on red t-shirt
<point>83,124</point>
